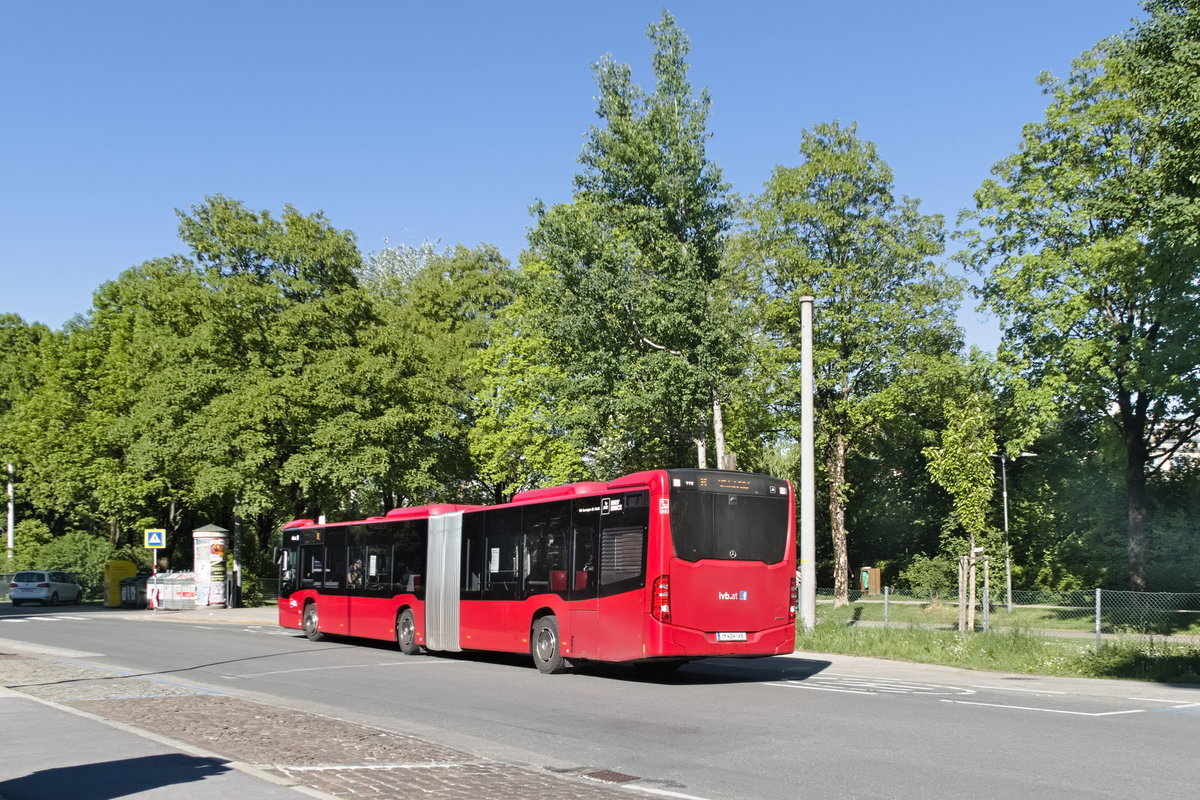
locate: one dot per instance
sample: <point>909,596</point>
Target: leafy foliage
<point>627,287</point>
<point>833,228</point>
<point>269,371</point>
<point>1088,239</point>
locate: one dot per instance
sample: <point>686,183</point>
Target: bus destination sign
<point>727,482</point>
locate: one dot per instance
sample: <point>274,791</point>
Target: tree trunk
<point>1133,408</point>
<point>1135,503</point>
<point>837,519</point>
<point>725,459</point>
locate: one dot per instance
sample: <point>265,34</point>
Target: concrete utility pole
<point>808,484</point>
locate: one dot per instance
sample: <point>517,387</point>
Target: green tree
<point>631,295</point>
<point>833,228</point>
<point>1088,238</point>
<point>961,463</point>
<point>528,430</point>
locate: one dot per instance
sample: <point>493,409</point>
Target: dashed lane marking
<point>874,686</point>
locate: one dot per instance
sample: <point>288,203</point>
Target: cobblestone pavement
<point>339,758</point>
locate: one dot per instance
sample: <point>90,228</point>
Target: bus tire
<point>311,623</point>
<point>544,646</point>
<point>406,633</point>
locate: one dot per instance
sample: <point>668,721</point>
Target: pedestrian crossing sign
<point>156,538</point>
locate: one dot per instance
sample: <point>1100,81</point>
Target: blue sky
<point>407,121</point>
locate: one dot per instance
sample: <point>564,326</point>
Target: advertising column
<point>209,565</point>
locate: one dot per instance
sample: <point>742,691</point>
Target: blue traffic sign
<point>156,538</point>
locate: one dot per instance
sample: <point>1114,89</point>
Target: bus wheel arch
<point>545,645</point>
<point>406,632</point>
<point>311,622</point>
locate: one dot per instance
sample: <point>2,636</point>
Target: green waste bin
<point>133,591</point>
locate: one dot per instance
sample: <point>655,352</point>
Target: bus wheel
<point>544,646</point>
<point>406,633</point>
<point>310,623</point>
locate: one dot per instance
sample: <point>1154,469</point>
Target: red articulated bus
<point>656,568</point>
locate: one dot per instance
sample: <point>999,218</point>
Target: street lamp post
<point>1007,547</point>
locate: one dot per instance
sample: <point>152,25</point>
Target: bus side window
<point>583,563</point>
<point>472,556</point>
<point>312,573</point>
<point>502,543</point>
<point>546,529</point>
<point>335,559</point>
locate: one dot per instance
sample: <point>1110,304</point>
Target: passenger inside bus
<point>355,576</point>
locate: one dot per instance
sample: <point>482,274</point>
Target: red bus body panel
<point>707,597</point>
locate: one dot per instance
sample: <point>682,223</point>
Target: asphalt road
<point>808,726</point>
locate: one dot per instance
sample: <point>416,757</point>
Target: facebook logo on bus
<point>742,595</point>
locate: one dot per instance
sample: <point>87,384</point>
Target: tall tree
<point>833,228</point>
<point>632,300</point>
<point>1088,237</point>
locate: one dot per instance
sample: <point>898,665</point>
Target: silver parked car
<point>46,586</point>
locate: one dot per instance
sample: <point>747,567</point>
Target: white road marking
<point>1048,710</point>
<point>1156,700</point>
<point>858,685</point>
<point>1017,689</point>
<point>817,688</point>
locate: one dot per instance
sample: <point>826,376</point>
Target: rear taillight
<point>43,586</point>
<point>660,597</point>
<point>795,601</point>
<point>12,585</point>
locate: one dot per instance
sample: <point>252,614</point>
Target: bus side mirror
<point>277,554</point>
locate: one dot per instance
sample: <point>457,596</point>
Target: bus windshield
<point>728,526</point>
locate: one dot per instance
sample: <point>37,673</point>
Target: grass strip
<point>1010,651</point>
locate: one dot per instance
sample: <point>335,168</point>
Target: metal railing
<point>1100,614</point>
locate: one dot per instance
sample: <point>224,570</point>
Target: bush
<point>29,537</point>
<point>83,555</point>
<point>929,577</point>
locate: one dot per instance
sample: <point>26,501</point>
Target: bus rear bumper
<point>694,644</point>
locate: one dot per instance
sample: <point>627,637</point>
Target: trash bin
<point>133,591</point>
<point>114,573</point>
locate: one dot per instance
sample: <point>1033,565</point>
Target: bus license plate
<point>739,636</point>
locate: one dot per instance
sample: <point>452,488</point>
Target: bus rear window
<point>728,527</point>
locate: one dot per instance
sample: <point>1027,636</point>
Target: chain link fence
<point>1098,614</point>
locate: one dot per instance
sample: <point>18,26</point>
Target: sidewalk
<point>71,753</point>
<point>94,733</point>
<point>264,615</point>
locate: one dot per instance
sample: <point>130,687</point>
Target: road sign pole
<point>155,538</point>
<point>154,578</point>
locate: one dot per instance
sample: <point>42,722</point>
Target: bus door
<point>578,581</point>
<point>624,525</point>
<point>372,613</point>
<point>323,568</point>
